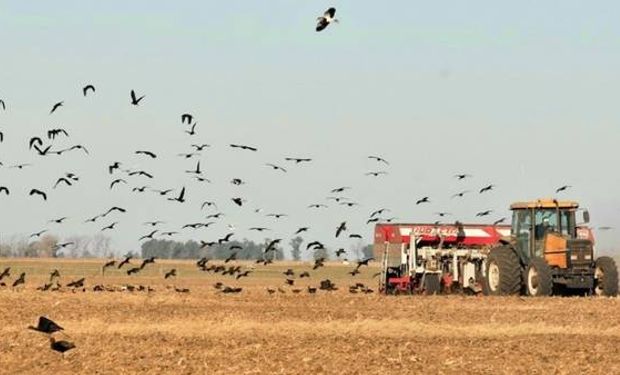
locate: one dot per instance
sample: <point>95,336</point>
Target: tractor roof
<point>544,203</point>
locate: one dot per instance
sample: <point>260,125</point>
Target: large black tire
<point>538,278</point>
<point>432,284</point>
<point>503,272</point>
<point>605,277</point>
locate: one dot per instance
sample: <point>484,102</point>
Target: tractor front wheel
<point>539,281</point>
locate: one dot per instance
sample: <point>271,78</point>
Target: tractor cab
<point>547,229</point>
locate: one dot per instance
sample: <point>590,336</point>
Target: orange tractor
<point>548,253</point>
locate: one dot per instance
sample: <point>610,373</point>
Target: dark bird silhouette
<point>38,192</point>
<point>149,236</point>
<point>135,100</point>
<point>317,205</point>
<point>460,195</point>
<point>315,245</point>
<point>117,181</point>
<point>272,245</point>
<point>442,214</point>
<point>86,88</point>
<point>304,274</point>
<point>349,204</point>
<point>108,264</point>
<point>298,160</point>
<point>341,228</point>
<point>180,198</point>
<point>376,174</point>
<point>499,221</point>
<point>147,153</point>
<point>124,261</point>
<point>133,270</point>
<point>244,147</point>
<point>146,261</point>
<point>231,257</point>
<point>354,272</point>
<point>2,104</point>
<point>208,204</point>
<point>77,283</point>
<point>38,234</point>
<point>163,192</point>
<point>289,272</point>
<point>187,118</point>
<point>189,155</point>
<point>171,273</point>
<point>340,251</point>
<point>21,280</point>
<point>197,170</point>
<point>225,238</point>
<point>34,141</point>
<point>238,201</point>
<point>52,133</point>
<point>300,230</point>
<point>275,167</point>
<point>215,216</point>
<point>112,167</point>
<point>76,147</point>
<point>192,130</point>
<point>379,159</point>
<point>340,189</point>
<point>355,235</point>
<point>141,173</point>
<point>154,223</point>
<point>62,179</point>
<point>61,346</point>
<point>244,274</point>
<point>169,234</point>
<point>326,19</point>
<point>140,189</point>
<point>562,188</point>
<point>63,245</point>
<point>5,273</point>
<point>484,213</point>
<point>46,325</point>
<point>4,189</point>
<point>462,176</point>
<point>423,200</point>
<point>259,229</point>
<point>277,216</point>
<point>200,147</point>
<point>319,262</point>
<point>487,188</point>
<point>290,281</point>
<point>372,220</point>
<point>56,106</point>
<point>364,262</point>
<point>58,221</point>
<point>113,209</point>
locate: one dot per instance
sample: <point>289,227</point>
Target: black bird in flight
<point>109,227</point>
<point>340,251</point>
<point>487,188</point>
<point>298,160</point>
<point>52,133</point>
<point>364,262</point>
<point>379,159</point>
<point>154,223</point>
<point>61,346</point>
<point>200,147</point>
<point>460,195</point>
<point>133,270</point>
<point>462,176</point>
<point>146,261</point>
<point>20,280</point>
<point>34,141</point>
<point>326,19</point>
<point>244,147</point>
<point>141,173</point>
<point>163,192</point>
<point>277,216</point>
<point>272,245</point>
<point>317,205</point>
<point>147,153</point>
<point>225,238</point>
<point>38,192</point>
<point>215,216</point>
<point>5,273</point>
<point>180,198</point>
<point>38,234</point>
<point>340,189</point>
<point>259,229</point>
<point>135,100</point>
<point>355,235</point>
<point>4,189</point>
<point>62,179</point>
<point>46,325</point>
<point>115,208</point>
<point>499,221</point>
<point>192,130</point>
<point>231,257</point>
<point>140,189</point>
<point>442,214</point>
<point>112,167</point>
<point>149,236</point>
<point>315,245</point>
<point>379,212</point>
<point>376,174</point>
<point>187,118</point>
<point>117,181</point>
<point>171,273</point>
<point>86,88</point>
<point>423,200</point>
<point>108,264</point>
<point>56,106</point>
<point>341,228</point>
<point>275,167</point>
<point>300,230</point>
<point>562,188</point>
<point>58,221</point>
<point>484,213</point>
<point>197,170</point>
<point>124,261</point>
<point>3,104</point>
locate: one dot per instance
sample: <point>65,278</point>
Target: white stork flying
<point>326,19</point>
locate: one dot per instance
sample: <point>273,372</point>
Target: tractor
<point>548,253</point>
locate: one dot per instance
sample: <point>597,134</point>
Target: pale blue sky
<point>523,95</point>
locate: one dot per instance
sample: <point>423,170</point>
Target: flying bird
<point>86,88</point>
<point>109,227</point>
<point>46,325</point>
<point>147,153</point>
<point>460,195</point>
<point>341,228</point>
<point>298,160</point>
<point>180,198</point>
<point>117,181</point>
<point>4,189</point>
<point>124,261</point>
<point>340,189</point>
<point>422,200</point>
<point>56,106</point>
<point>244,147</point>
<point>192,130</point>
<point>52,133</point>
<point>135,100</point>
<point>376,174</point>
<point>462,176</point>
<point>379,159</point>
<point>326,19</point>
<point>149,236</point>
<point>171,273</point>
<point>562,188</point>
<point>300,230</point>
<point>275,167</point>
<point>487,188</point>
<point>484,213</point>
<point>38,192</point>
<point>187,118</point>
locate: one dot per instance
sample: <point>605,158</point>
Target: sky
<point>521,95</point>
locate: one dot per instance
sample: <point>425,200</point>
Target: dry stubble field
<point>330,332</point>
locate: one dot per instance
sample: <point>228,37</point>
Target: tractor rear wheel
<point>432,284</point>
<point>503,272</point>
<point>605,277</point>
<point>539,281</point>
